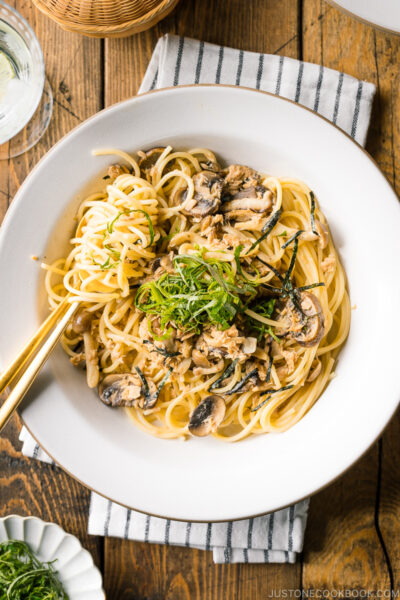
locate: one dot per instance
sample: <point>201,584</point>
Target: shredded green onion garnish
<point>24,577</point>
<point>127,211</point>
<point>113,252</point>
<point>107,264</point>
<point>264,308</point>
<point>201,291</point>
<point>239,269</point>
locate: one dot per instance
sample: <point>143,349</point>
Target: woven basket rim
<point>119,28</point>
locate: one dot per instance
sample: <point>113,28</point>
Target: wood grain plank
<point>28,487</point>
<point>384,144</point>
<point>253,25</point>
<point>389,505</point>
<point>150,571</point>
<point>343,548</point>
<point>146,571</point>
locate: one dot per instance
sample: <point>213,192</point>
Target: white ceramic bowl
<point>384,14</point>
<point>74,565</point>
<point>204,479</point>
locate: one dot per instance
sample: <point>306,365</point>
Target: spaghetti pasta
<point>213,299</point>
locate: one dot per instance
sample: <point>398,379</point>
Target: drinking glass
<point>26,99</point>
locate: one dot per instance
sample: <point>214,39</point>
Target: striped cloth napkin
<point>276,537</point>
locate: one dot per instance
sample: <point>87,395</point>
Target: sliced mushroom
<point>82,321</point>
<point>120,389</point>
<point>210,165</point>
<point>81,324</point>
<point>92,360</point>
<point>257,205</point>
<point>307,325</point>
<point>207,416</point>
<point>322,234</point>
<point>149,158</point>
<point>247,203</point>
<point>249,192</point>
<point>207,194</point>
<point>179,196</point>
<point>314,327</point>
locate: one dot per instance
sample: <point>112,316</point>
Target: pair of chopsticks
<point>26,366</point>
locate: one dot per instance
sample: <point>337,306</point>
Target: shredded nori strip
<point>312,214</point>
<point>145,385</point>
<point>271,268</point>
<point>269,225</point>
<point>287,282</point>
<point>274,290</point>
<point>268,376</point>
<point>240,384</point>
<point>270,392</point>
<point>282,389</point>
<point>303,288</point>
<point>291,239</point>
<point>161,351</point>
<point>227,373</point>
<point>146,390</point>
<point>163,382</point>
<point>287,289</point>
<point>266,230</point>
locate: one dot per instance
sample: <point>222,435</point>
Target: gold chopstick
<point>9,374</point>
<point>28,374</point>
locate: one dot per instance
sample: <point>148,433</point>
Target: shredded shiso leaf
<point>200,292</point>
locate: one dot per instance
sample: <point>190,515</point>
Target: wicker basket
<point>106,18</point>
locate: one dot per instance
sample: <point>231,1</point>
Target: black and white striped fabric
<point>276,537</point>
<point>342,99</point>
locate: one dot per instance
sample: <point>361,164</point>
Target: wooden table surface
<point>352,546</point>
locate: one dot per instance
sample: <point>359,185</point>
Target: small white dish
<point>76,571</point>
<point>204,479</point>
<point>384,14</point>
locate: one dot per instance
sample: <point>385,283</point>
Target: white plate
<point>384,14</point>
<point>204,479</point>
<point>74,565</point>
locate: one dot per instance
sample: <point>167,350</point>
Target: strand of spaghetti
<point>127,157</point>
